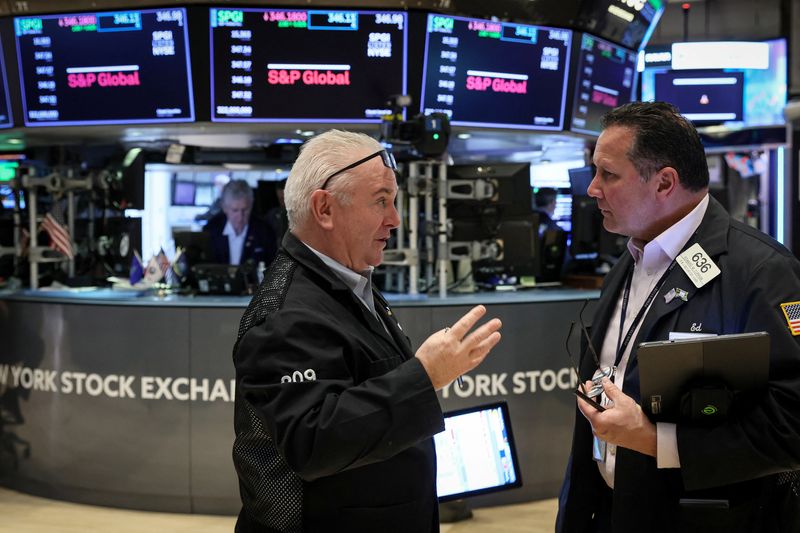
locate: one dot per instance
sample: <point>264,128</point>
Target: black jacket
<point>736,460</point>
<point>259,245</point>
<point>334,417</point>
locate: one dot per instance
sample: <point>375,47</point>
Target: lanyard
<point>622,344</point>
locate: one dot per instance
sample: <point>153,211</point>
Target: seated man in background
<point>544,201</point>
<point>552,237</point>
<point>237,235</point>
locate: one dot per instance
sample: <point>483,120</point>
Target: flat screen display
<point>105,68</point>
<point>495,74</point>
<point>299,65</point>
<point>6,121</point>
<point>475,453</point>
<point>703,96</point>
<point>183,192</point>
<point>7,197</point>
<point>627,22</point>
<point>605,78</point>
<point>734,97</point>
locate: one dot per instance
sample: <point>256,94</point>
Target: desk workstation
<point>126,400</point>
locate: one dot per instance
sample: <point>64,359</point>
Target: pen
<point>460,382</point>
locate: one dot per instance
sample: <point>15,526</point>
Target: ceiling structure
<point>466,145</point>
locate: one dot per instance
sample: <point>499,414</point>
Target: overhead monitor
<point>6,120</point>
<point>626,22</point>
<point>121,67</point>
<point>495,74</point>
<point>705,96</point>
<point>734,84</point>
<point>629,23</point>
<point>278,65</point>
<point>604,79</point>
<point>475,453</point>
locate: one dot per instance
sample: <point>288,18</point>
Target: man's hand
<point>450,352</point>
<point>622,423</point>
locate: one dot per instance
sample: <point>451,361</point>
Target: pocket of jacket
<point>382,366</point>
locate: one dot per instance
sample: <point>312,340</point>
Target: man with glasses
<point>334,412</point>
<point>625,473</point>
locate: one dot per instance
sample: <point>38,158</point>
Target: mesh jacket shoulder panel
<point>272,494</point>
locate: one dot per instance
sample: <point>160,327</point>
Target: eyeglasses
<point>386,157</point>
<point>601,372</point>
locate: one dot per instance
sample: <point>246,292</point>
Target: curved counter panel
<point>127,400</point>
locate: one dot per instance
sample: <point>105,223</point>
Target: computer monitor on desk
<point>552,252</point>
<point>195,244</point>
<point>589,240</point>
<point>514,241</point>
<point>476,453</point>
<point>494,189</point>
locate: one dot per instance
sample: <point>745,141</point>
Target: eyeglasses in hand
<point>601,372</point>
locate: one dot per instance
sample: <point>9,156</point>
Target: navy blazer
<point>259,245</point>
<point>736,460</point>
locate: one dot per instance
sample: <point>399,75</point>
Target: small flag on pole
<point>59,236</point>
<point>164,265</point>
<point>180,265</point>
<point>137,269</point>
<point>153,273</point>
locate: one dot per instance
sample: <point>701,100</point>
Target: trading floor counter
<point>126,400</point>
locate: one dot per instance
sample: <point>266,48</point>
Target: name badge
<point>598,450</point>
<point>698,265</point>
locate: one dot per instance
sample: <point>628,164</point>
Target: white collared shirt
<point>358,282</point>
<point>650,263</point>
<point>235,243</point>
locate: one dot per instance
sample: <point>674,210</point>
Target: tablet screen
<point>475,453</point>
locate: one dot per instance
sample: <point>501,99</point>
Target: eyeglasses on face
<point>386,157</point>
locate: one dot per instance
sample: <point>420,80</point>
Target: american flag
<point>152,272</point>
<point>166,270</point>
<point>59,236</point>
<point>163,262</point>
<point>791,310</point>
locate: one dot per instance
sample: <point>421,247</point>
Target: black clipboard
<point>668,368</point>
